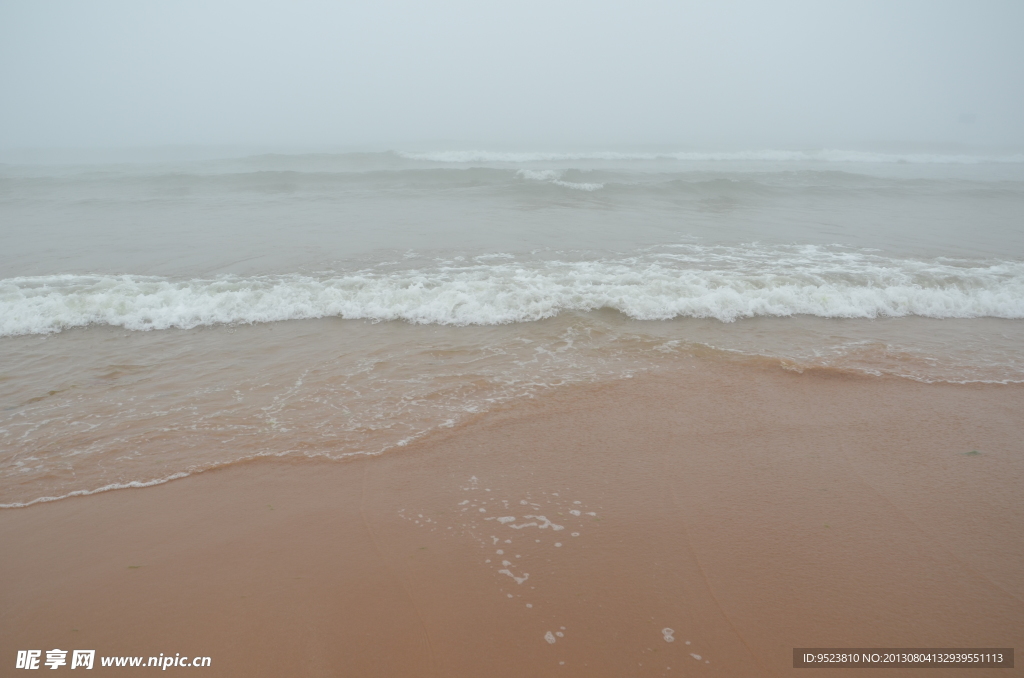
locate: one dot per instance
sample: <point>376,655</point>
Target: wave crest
<point>555,177</point>
<point>726,283</point>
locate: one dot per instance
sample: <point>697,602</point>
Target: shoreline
<point>748,509</point>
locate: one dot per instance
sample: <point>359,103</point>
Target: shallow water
<point>162,319</point>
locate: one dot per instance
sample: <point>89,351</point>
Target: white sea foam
<point>518,580</point>
<point>768,155</point>
<point>726,283</point>
<point>105,488</point>
<point>555,177</point>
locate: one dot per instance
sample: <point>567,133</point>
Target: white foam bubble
<point>543,524</point>
<point>105,488</point>
<point>726,283</point>
<point>550,637</point>
<point>518,580</point>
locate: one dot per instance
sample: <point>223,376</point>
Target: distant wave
<point>555,177</point>
<point>826,155</point>
<point>726,283</point>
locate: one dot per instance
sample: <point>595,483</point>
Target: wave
<point>555,177</point>
<point>767,155</point>
<point>726,283</point>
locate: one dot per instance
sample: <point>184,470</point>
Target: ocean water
<point>158,319</point>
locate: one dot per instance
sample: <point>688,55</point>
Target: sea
<point>164,317</point>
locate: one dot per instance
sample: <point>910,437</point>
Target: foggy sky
<point>401,74</point>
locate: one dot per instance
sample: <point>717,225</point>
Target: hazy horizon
<point>316,77</point>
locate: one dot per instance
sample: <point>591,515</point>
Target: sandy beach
<point>703,520</point>
<point>511,340</point>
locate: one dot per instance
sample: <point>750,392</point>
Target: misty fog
<point>395,73</point>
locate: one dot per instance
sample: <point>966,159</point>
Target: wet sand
<point>748,509</point>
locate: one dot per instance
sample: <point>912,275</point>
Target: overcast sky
<point>524,73</point>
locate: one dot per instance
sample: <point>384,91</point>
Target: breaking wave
<point>555,177</point>
<point>726,283</point>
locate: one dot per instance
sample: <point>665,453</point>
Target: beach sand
<point>746,508</point>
